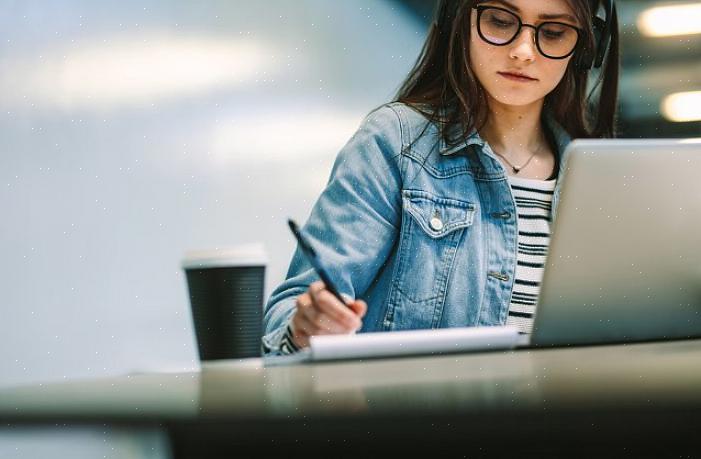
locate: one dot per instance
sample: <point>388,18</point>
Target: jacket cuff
<point>279,341</point>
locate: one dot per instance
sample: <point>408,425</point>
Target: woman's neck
<point>515,132</point>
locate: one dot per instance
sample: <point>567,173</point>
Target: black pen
<point>309,251</point>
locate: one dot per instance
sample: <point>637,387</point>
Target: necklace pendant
<point>516,169</point>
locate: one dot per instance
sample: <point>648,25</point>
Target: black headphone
<point>603,29</point>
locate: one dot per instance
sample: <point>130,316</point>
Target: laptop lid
<point>624,262</point>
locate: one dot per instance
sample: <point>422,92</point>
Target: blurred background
<point>132,132</point>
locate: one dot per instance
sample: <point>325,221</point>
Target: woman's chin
<point>515,100</point>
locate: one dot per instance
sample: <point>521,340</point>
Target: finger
<point>360,307</point>
<point>310,318</point>
<point>304,304</point>
<point>307,310</point>
<point>304,301</point>
<point>318,293</point>
<point>299,336</point>
<point>303,326</point>
<point>316,321</point>
<point>328,304</point>
<point>329,325</point>
<point>316,287</point>
<point>324,322</point>
<point>307,316</point>
<point>320,324</point>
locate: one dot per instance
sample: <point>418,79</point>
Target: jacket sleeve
<point>353,224</point>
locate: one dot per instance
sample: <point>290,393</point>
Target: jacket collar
<point>562,138</point>
<point>454,132</point>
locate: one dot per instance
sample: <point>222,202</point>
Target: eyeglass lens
<point>500,27</point>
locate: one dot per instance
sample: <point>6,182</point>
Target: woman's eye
<point>553,32</point>
<point>500,23</point>
<point>552,35</point>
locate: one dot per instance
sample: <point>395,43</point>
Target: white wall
<point>134,131</point>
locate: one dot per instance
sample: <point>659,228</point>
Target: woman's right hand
<point>319,312</point>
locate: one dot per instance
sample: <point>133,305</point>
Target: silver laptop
<point>624,262</point>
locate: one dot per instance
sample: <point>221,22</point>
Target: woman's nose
<point>524,47</point>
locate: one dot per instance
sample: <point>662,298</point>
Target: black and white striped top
<point>534,203</point>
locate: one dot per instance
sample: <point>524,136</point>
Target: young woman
<point>438,210</point>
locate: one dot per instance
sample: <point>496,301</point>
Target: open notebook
<point>403,343</point>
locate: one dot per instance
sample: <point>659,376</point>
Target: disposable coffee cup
<point>226,299</point>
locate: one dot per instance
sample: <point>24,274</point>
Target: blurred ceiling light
<point>682,106</point>
<point>139,72</point>
<point>671,20</point>
<point>283,138</point>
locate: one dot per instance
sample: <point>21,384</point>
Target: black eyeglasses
<point>499,27</point>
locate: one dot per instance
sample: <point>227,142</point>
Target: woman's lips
<point>513,77</point>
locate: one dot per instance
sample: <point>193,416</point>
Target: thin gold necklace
<point>517,169</point>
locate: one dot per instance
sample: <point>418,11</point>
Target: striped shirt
<point>533,202</point>
<point>287,344</point>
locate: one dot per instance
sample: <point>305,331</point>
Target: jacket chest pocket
<point>432,229</point>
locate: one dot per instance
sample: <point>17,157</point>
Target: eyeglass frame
<point>480,9</point>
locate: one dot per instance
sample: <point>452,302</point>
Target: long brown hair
<point>443,87</point>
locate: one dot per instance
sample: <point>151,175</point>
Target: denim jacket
<point>424,232</point>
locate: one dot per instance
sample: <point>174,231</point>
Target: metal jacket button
<point>436,224</point>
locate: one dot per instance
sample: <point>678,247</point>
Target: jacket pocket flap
<point>438,216</point>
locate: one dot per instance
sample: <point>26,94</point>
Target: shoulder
<point>402,121</point>
<point>410,118</point>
